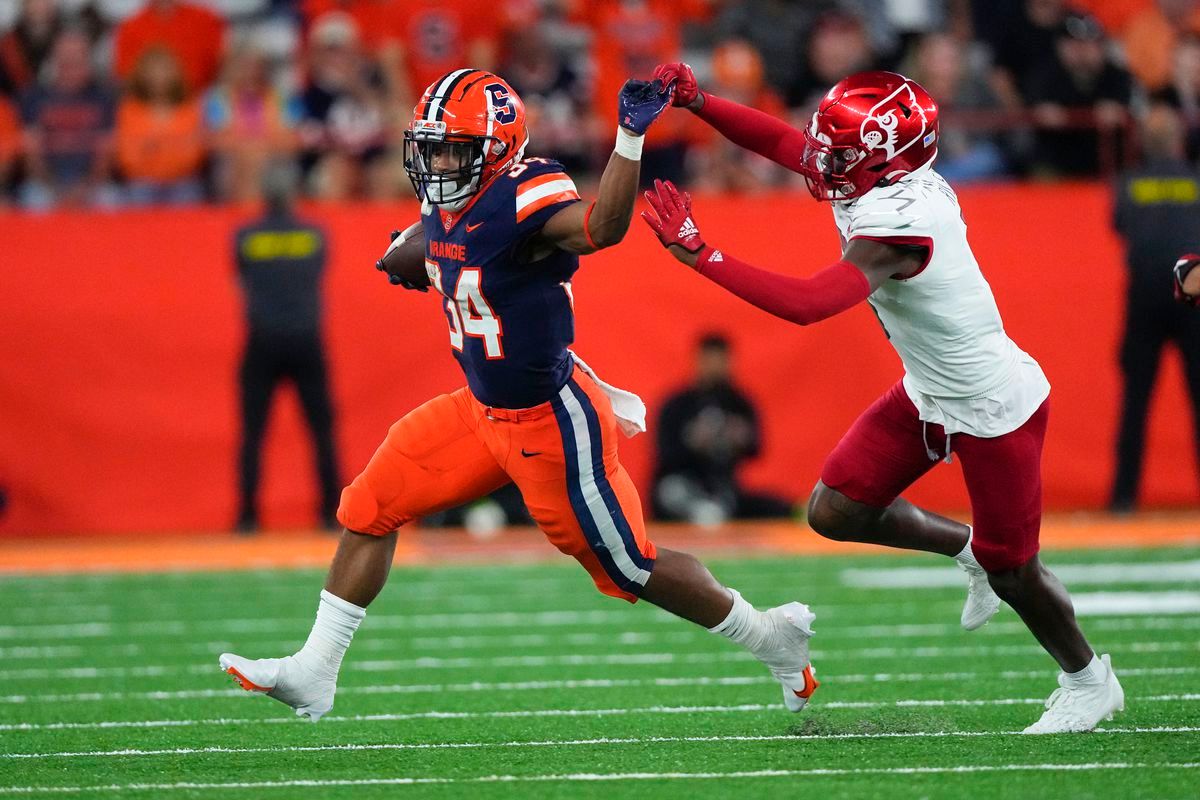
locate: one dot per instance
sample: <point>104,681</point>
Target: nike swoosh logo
<point>471,227</point>
<point>525,452</point>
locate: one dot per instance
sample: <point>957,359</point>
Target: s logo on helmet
<point>501,105</point>
<point>880,128</point>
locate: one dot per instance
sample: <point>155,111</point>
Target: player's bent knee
<point>835,516</point>
<point>1010,578</point>
<point>358,509</point>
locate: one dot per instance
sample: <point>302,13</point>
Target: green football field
<point>522,681</point>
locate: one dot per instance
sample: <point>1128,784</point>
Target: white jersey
<point>960,368</point>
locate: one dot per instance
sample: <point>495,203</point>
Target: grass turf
<point>499,681</point>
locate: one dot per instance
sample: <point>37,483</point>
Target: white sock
<point>966,556</point>
<point>745,625</point>
<point>1094,672</point>
<point>337,620</point>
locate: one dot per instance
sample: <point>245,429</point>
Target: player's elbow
<point>606,231</point>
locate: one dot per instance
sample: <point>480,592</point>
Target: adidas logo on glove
<point>688,228</point>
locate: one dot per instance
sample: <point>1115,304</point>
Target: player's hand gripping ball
<point>404,261</point>
<point>672,222</point>
<point>684,80</point>
<point>641,102</point>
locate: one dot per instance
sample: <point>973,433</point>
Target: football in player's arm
<point>1187,279</point>
<point>579,228</point>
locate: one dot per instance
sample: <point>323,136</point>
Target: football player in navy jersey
<point>503,234</point>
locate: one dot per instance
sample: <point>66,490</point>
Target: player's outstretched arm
<point>585,228</point>
<point>746,127</point>
<point>864,267</point>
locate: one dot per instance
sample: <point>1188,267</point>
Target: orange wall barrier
<point>121,335</point>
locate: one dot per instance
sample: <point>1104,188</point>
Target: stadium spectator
<point>249,122</point>
<point>1151,37</point>
<point>68,124</point>
<point>1183,92</point>
<point>705,432</point>
<point>193,33</point>
<point>281,261</point>
<point>838,45</point>
<point>779,30</point>
<point>1081,77</point>
<point>718,164</point>
<point>25,48</point>
<point>159,138</point>
<point>1157,213</point>
<point>939,63</point>
<point>1022,41</point>
<point>556,98</point>
<point>10,147</point>
<point>343,129</point>
<point>631,38</point>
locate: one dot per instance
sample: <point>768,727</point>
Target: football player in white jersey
<point>967,387</point>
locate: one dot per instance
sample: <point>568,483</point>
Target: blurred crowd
<point>130,102</point>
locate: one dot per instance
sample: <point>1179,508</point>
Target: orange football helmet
<point>468,126</point>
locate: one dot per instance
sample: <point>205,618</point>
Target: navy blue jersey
<point>511,320</point>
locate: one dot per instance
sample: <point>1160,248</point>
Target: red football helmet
<point>871,129</point>
<point>468,126</point>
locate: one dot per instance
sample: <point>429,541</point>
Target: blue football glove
<point>640,103</point>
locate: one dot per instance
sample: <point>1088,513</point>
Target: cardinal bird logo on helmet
<point>871,129</point>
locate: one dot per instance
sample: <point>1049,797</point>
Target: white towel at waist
<point>627,407</point>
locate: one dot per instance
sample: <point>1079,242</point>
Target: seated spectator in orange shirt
<point>68,123</point>
<point>718,164</point>
<point>249,121</point>
<point>1151,37</point>
<point>10,147</point>
<point>159,135</point>
<point>193,33</point>
<point>25,48</point>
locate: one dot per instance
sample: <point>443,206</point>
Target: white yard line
<point>593,683</point>
<point>581,660</point>
<point>558,712</point>
<point>188,751</point>
<point>595,777</point>
<point>1070,574</point>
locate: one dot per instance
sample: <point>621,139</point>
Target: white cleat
<point>1077,707</point>
<point>982,602</point>
<point>284,679</point>
<point>789,662</point>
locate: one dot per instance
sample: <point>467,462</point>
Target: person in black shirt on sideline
<point>281,260</point>
<point>1158,215</point>
<point>704,432</point>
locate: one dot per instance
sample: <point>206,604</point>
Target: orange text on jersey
<point>457,252</point>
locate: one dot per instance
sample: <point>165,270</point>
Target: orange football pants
<point>561,454</point>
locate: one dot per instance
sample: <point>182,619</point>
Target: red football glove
<point>672,221</point>
<point>1183,266</point>
<point>683,78</point>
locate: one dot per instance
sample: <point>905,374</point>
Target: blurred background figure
<point>249,121</point>
<point>717,163</point>
<point>281,260</point>
<point>342,131</point>
<point>705,432</point>
<point>1081,77</point>
<point>940,63</point>
<point>159,137</point>
<point>68,119</point>
<point>192,32</point>
<point>1158,215</point>
<point>25,48</point>
<point>1152,36</point>
<point>1182,92</point>
<point>838,45</point>
<point>1022,37</point>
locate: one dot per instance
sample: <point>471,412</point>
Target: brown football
<point>404,262</point>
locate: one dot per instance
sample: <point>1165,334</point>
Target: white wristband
<point>628,145</point>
